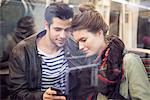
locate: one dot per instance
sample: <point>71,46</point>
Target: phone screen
<point>59,91</point>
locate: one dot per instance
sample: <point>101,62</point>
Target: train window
<point>143,30</point>
<point>12,10</point>
<point>114,18</point>
<point>131,21</point>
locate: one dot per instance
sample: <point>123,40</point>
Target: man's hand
<point>50,94</point>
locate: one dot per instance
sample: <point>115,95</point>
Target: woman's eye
<point>83,40</point>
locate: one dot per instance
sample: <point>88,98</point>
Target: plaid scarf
<point>110,71</point>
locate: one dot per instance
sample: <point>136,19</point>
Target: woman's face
<point>89,43</point>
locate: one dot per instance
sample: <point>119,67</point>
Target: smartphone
<point>59,91</point>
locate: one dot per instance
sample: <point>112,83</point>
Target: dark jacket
<point>25,69</point>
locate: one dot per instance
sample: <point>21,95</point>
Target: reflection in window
<point>114,23</point>
<point>143,33</point>
<point>10,12</point>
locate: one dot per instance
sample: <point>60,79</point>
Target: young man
<point>38,63</point>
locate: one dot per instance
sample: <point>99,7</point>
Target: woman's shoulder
<point>131,57</point>
<point>132,61</point>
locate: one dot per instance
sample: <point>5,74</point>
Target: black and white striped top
<point>54,69</point>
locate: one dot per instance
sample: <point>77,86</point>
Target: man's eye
<point>68,30</point>
<point>58,29</point>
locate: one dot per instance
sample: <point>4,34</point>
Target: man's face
<point>89,43</point>
<point>58,31</point>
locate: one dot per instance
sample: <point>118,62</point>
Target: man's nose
<point>62,34</point>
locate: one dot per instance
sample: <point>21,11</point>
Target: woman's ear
<point>101,33</point>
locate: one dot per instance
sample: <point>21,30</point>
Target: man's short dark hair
<point>60,10</point>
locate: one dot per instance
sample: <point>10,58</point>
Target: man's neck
<point>46,45</point>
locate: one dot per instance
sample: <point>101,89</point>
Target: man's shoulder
<point>29,42</point>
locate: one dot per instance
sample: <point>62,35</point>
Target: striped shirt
<point>54,69</point>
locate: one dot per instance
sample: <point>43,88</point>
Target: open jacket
<point>26,70</point>
<point>136,85</point>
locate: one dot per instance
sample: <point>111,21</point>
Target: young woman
<point>120,75</point>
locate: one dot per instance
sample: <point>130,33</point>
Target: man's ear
<point>46,24</point>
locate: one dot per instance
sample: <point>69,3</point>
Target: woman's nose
<point>81,46</point>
